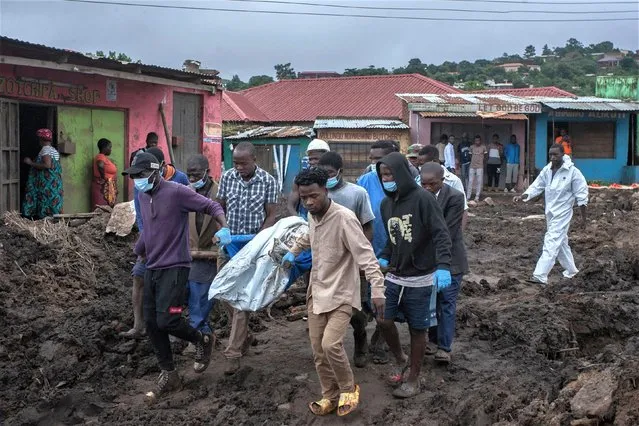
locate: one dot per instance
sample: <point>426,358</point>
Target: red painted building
<point>83,99</point>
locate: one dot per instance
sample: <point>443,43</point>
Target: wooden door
<point>9,156</point>
<point>187,127</point>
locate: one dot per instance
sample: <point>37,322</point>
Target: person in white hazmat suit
<point>563,184</point>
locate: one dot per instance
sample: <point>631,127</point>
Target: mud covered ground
<point>567,354</point>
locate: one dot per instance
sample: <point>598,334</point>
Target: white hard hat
<point>318,145</point>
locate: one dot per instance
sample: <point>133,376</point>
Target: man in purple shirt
<point>165,208</point>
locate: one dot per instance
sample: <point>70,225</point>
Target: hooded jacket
<point>418,240</point>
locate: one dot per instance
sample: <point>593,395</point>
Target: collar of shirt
<point>257,176</point>
<point>328,215</point>
<point>437,194</point>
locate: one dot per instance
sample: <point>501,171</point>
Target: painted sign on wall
<point>48,90</point>
<point>532,108</point>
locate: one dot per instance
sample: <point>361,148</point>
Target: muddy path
<point>523,354</point>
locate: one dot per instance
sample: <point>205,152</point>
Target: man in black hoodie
<point>418,256</point>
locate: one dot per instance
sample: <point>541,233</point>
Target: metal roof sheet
<point>358,123</point>
<point>531,91</point>
<point>588,103</point>
<point>465,99</point>
<point>472,115</point>
<point>271,132</point>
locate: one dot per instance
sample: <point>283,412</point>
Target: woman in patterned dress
<point>43,195</point>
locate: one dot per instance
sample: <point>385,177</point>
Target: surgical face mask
<point>143,184</point>
<point>390,186</point>
<point>332,182</point>
<point>200,183</point>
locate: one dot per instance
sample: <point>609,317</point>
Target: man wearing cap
<point>170,173</point>
<point>165,208</point>
<point>315,150</point>
<point>413,154</point>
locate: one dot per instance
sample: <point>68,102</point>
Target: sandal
<point>348,402</point>
<point>322,407</point>
<point>133,334</point>
<point>431,349</point>
<point>406,390</point>
<point>397,377</point>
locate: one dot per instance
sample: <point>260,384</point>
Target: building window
<point>355,156</point>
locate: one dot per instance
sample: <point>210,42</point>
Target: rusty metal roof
<point>588,103</point>
<point>464,98</point>
<point>274,132</point>
<point>25,49</point>
<point>358,123</point>
<point>472,115</point>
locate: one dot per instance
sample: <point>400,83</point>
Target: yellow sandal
<point>348,402</point>
<point>322,407</point>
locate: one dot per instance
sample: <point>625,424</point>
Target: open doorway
<point>32,118</point>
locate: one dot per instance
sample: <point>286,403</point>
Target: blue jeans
<point>444,333</point>
<point>200,306</point>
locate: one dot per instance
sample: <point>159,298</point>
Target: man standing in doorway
<point>511,152</point>
<point>417,256</point>
<point>452,204</point>
<point>478,154</point>
<point>463,151</point>
<point>249,196</point>
<point>164,206</point>
<point>315,150</point>
<point>354,198</point>
<point>441,148</point>
<point>449,155</point>
<point>340,251</point>
<point>151,141</point>
<point>562,184</point>
<point>493,165</point>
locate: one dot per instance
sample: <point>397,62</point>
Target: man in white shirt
<point>449,155</point>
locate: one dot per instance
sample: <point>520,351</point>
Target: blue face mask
<point>332,182</point>
<point>390,186</point>
<point>143,184</point>
<point>200,183</point>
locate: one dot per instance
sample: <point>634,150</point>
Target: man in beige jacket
<point>340,249</point>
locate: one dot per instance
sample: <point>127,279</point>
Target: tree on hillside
<point>371,70</point>
<point>628,64</point>
<point>284,71</point>
<point>258,80</point>
<point>529,52</point>
<point>574,45</point>
<point>235,84</point>
<point>546,50</point>
<point>473,86</point>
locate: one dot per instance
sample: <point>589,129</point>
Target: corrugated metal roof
<point>236,107</point>
<point>358,123</point>
<point>465,99</point>
<point>363,96</point>
<point>472,115</point>
<point>531,91</point>
<point>272,132</point>
<point>588,103</point>
<point>25,49</point>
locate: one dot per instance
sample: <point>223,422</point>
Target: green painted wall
<point>84,127</point>
<point>618,87</point>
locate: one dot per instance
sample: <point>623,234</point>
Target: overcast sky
<point>250,43</point>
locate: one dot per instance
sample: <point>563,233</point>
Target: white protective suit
<point>561,191</point>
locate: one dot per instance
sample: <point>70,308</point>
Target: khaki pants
<point>326,332</point>
<point>239,337</point>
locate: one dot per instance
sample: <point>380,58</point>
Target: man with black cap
<point>164,207</point>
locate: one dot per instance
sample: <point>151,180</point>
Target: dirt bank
<point>523,354</point>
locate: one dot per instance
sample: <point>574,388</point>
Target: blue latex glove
<point>442,279</point>
<point>224,235</point>
<point>383,262</point>
<point>288,259</point>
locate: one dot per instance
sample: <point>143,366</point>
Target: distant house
<point>516,66</point>
<point>318,74</point>
<point>610,60</point>
<point>492,85</point>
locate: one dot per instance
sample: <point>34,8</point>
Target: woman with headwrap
<point>104,188</point>
<point>43,194</point>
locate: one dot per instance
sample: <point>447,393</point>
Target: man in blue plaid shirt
<point>249,196</point>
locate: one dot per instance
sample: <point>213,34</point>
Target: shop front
<point>82,104</point>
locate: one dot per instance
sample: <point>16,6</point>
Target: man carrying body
<point>203,251</point>
<point>449,155</point>
<point>249,195</point>
<point>371,183</point>
<point>315,150</point>
<point>452,203</point>
<point>354,198</point>
<point>171,174</point>
<point>164,206</point>
<point>511,152</point>
<point>562,184</point>
<point>417,256</point>
<point>463,151</point>
<point>340,250</point>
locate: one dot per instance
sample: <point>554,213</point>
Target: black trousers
<point>493,176</point>
<point>165,295</point>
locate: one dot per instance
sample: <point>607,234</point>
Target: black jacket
<point>418,240</point>
<point>452,203</point>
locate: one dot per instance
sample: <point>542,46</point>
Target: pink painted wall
<point>139,99</point>
<point>421,129</point>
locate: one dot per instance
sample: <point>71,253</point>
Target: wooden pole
<point>166,133</point>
